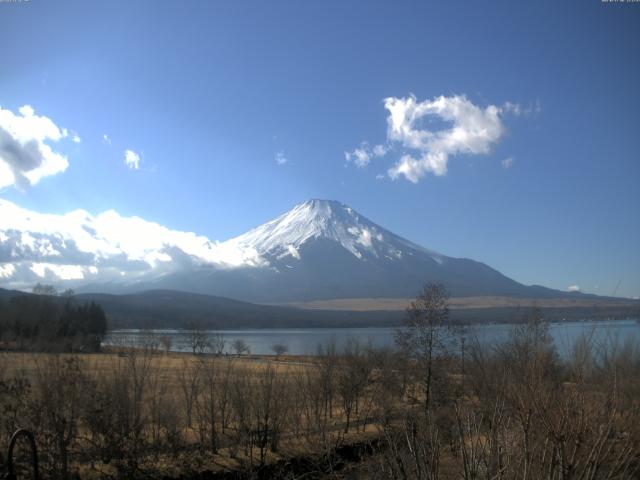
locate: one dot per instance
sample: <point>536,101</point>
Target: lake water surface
<point>305,341</point>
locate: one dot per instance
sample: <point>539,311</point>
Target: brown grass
<point>400,304</point>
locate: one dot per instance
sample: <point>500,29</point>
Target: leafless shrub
<point>217,343</point>
<point>279,349</point>
<point>352,378</point>
<point>240,347</point>
<point>58,396</point>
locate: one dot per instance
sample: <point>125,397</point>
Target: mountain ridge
<point>318,250</point>
<point>324,249</point>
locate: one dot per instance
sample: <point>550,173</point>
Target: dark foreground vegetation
<point>46,321</point>
<point>438,406</point>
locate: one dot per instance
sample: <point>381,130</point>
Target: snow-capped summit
<point>320,249</point>
<point>324,249</point>
<point>327,220</point>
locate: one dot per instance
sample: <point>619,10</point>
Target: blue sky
<point>210,95</point>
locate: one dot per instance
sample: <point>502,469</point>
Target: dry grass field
<point>415,412</point>
<point>180,402</point>
<point>400,304</point>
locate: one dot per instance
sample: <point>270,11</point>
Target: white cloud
<point>573,288</point>
<point>25,154</point>
<point>473,130</point>
<point>132,159</point>
<point>293,251</point>
<point>80,246</point>
<point>359,156</point>
<point>533,108</point>
<point>7,270</point>
<point>379,151</point>
<point>507,162</point>
<point>51,271</point>
<point>362,155</point>
<point>105,139</point>
<point>510,107</point>
<point>281,158</point>
<point>76,138</point>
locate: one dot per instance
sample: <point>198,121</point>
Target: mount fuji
<point>323,249</point>
<point>319,250</point>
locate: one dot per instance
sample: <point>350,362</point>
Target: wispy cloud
<point>106,140</point>
<point>132,159</point>
<point>531,109</point>
<point>362,155</point>
<point>25,154</point>
<point>281,158</point>
<point>507,162</point>
<point>573,288</point>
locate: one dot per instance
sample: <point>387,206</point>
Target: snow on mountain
<point>329,220</point>
<point>320,249</point>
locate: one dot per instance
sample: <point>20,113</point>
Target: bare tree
<point>328,362</point>
<point>208,402</point>
<point>197,339</point>
<point>352,377</point>
<point>189,382</point>
<point>423,334</point>
<point>279,349</point>
<point>269,410</point>
<point>116,416</point>
<point>166,342</point>
<point>217,343</point>
<point>59,395</point>
<point>240,346</point>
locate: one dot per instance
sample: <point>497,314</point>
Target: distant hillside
<point>176,309</point>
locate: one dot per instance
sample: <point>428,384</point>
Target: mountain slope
<point>174,309</point>
<point>323,249</point>
<point>318,250</point>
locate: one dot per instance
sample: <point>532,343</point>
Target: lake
<point>305,341</point>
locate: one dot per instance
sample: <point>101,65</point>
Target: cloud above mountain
<point>362,155</point>
<point>473,130</point>
<point>105,247</point>
<point>281,158</point>
<point>430,132</point>
<point>132,159</point>
<point>26,155</point>
<point>78,249</point>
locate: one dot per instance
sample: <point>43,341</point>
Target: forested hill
<point>50,322</point>
<point>175,309</point>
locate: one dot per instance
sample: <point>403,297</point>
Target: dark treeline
<point>173,309</point>
<point>46,321</point>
